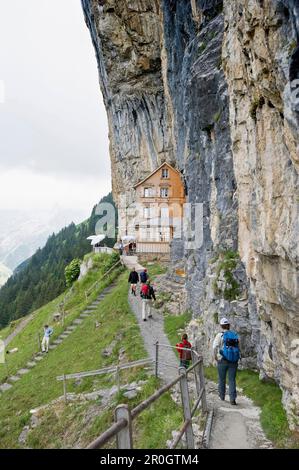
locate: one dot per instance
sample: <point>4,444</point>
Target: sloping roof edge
<point>155,171</point>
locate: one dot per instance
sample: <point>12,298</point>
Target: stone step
<point>64,336</point>
<point>84,315</point>
<point>38,358</point>
<point>31,364</point>
<point>57,341</point>
<point>14,378</point>
<point>78,321</point>
<point>5,387</point>
<point>70,328</point>
<point>52,346</point>
<point>23,371</point>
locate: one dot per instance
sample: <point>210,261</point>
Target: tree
<point>72,272</point>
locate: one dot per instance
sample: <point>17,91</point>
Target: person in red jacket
<point>185,356</point>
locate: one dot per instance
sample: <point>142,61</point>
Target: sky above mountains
<point>53,125</point>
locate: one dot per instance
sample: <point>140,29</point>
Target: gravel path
<point>235,427</point>
<point>153,330</point>
<point>18,329</point>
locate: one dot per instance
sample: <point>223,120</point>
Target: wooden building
<point>160,199</point>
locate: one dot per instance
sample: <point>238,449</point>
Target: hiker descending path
<point>58,341</point>
<point>153,330</point>
<point>235,427</point>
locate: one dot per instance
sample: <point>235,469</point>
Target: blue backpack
<point>230,351</point>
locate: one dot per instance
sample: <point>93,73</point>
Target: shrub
<point>72,271</point>
<point>257,103</point>
<point>227,262</point>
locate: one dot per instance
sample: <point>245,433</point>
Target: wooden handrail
<point>108,434</point>
<point>146,403</point>
<point>87,292</point>
<point>113,430</point>
<point>105,370</point>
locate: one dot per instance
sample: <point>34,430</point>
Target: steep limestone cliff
<point>209,86</point>
<point>259,59</point>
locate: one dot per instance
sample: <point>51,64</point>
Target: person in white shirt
<point>46,339</point>
<point>223,351</point>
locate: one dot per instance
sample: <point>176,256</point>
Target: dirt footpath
<point>235,427</point>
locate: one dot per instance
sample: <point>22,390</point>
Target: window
<point>148,192</point>
<point>165,173</point>
<point>164,213</point>
<point>146,212</point>
<point>164,192</point>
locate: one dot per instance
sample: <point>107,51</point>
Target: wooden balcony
<point>153,247</point>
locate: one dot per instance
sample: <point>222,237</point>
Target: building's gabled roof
<point>155,171</point>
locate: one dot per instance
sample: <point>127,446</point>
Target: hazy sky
<point>53,129</point>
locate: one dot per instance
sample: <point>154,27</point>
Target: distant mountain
<point>21,234</point>
<point>41,278</point>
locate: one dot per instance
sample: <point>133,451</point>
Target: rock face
<point>210,86</point>
<point>260,56</point>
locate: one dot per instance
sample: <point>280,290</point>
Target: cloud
<point>53,125</point>
<point>25,190</point>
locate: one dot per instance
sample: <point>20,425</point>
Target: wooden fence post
<point>124,438</point>
<point>201,376</point>
<point>196,372</point>
<point>186,407</point>
<point>157,359</point>
<point>64,388</point>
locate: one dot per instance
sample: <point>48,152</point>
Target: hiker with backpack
<point>147,294</point>
<point>46,339</point>
<point>184,350</point>
<point>143,276</point>
<point>226,348</point>
<point>133,280</point>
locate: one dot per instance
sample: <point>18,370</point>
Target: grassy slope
<point>82,351</point>
<point>27,340</point>
<point>6,332</point>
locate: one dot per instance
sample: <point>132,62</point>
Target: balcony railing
<point>153,247</point>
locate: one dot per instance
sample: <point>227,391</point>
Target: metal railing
<point>122,429</point>
<point>107,370</point>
